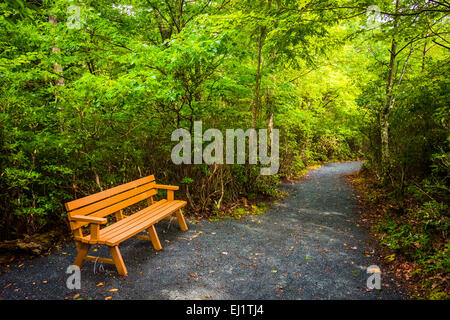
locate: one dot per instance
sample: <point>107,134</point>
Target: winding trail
<point>307,246</point>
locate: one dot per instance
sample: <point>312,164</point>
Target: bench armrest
<point>95,224</point>
<point>162,186</point>
<point>89,219</point>
<point>170,190</point>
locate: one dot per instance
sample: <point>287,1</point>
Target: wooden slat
<point>142,218</point>
<point>89,219</point>
<point>75,204</point>
<point>127,220</point>
<point>167,187</point>
<point>99,259</point>
<point>142,226</point>
<point>139,227</point>
<point>122,223</point>
<point>86,210</point>
<point>118,206</point>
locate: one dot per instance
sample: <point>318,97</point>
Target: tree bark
<point>57,68</point>
<point>256,100</point>
<point>389,103</point>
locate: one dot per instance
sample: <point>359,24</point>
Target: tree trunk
<point>389,103</point>
<point>256,100</point>
<point>57,68</point>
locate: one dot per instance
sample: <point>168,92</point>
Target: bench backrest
<point>104,203</point>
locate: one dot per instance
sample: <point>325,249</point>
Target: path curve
<point>307,246</point>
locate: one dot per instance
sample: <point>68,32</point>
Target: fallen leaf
<point>108,298</point>
<point>100,284</point>
<point>196,235</point>
<point>113,290</point>
<point>390,257</point>
<point>76,296</point>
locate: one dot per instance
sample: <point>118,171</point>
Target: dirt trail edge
<point>307,246</point>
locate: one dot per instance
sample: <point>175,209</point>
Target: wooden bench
<point>93,210</point>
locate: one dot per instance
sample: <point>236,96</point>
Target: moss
<point>438,295</point>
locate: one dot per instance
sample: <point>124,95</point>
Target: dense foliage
<point>409,100</point>
<point>87,108</point>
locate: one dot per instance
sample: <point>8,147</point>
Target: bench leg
<point>181,220</point>
<point>118,261</point>
<point>154,238</point>
<point>83,249</point>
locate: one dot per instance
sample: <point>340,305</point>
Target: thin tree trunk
<point>389,103</point>
<point>270,94</point>
<point>425,47</point>
<point>270,124</point>
<point>56,67</point>
<point>256,100</point>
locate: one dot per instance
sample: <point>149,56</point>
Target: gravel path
<point>308,246</point>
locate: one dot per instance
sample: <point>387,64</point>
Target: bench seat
<point>131,225</point>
